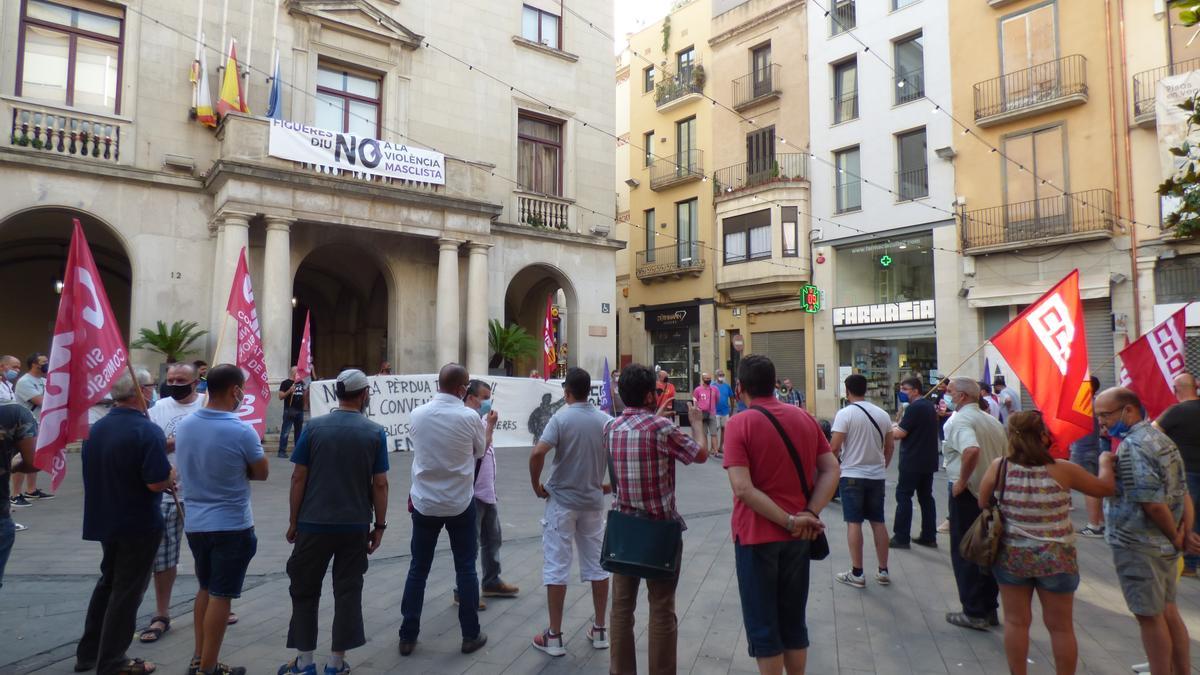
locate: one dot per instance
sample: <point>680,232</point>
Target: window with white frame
<point>747,237</point>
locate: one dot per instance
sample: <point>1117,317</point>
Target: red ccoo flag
<point>249,348</point>
<point>87,355</point>
<point>1047,348</point>
<point>549,354</point>
<point>1150,364</point>
<point>304,358</point>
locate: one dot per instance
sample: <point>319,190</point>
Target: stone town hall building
<point>518,96</point>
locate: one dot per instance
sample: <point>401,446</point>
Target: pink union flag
<point>1151,362</point>
<point>249,349</point>
<point>87,355</point>
<point>304,358</point>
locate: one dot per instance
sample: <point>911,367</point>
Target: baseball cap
<point>352,380</point>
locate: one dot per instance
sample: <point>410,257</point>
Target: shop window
<point>847,183</point>
<point>885,362</point>
<point>538,25</point>
<point>791,231</point>
<point>895,270</point>
<point>747,237</point>
<point>1177,279</point>
<point>71,56</point>
<point>648,79</point>
<point>348,101</point>
<point>539,154</point>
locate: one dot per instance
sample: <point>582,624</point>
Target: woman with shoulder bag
<point>1037,551</point>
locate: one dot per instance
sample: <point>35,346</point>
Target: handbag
<point>981,543</point>
<point>637,546</point>
<point>818,549</point>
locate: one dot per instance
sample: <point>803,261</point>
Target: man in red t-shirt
<point>666,395</point>
<point>773,521</point>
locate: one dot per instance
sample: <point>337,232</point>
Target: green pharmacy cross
<point>886,260</point>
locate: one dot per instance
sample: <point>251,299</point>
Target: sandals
<point>137,667</point>
<point>152,634</point>
<point>233,618</point>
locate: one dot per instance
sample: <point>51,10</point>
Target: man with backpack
<point>862,439</point>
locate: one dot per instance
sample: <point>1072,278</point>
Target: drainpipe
<point>1133,232</point>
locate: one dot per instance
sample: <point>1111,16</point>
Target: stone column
<point>447,303</point>
<point>276,306</point>
<point>477,308</point>
<point>234,236</point>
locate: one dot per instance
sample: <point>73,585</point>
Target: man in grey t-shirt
<point>574,497</point>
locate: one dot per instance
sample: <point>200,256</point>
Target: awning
<point>1090,288</point>
<point>914,329</point>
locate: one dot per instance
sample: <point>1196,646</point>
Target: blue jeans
<point>464,545</point>
<point>8,533</point>
<point>291,419</point>
<point>922,484</point>
<point>1193,483</point>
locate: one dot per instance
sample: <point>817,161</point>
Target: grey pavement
<point>898,629</point>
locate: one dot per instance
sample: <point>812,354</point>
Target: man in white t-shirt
<point>29,390</point>
<point>862,440</point>
<point>181,400</point>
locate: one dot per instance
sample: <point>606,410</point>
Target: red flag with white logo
<point>250,359</point>
<point>304,359</point>
<point>1046,346</point>
<point>87,355</point>
<point>549,354</point>
<point>1150,364</point>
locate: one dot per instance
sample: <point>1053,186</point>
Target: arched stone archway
<point>347,291</point>
<point>33,257</point>
<point>525,305</point>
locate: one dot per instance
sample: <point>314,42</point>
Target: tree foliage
<point>509,344</point>
<point>174,342</point>
<point>1184,185</point>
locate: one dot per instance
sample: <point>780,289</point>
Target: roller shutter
<point>785,348</point>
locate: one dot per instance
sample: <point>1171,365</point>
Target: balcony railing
<point>543,211</point>
<point>910,86</point>
<point>847,195</point>
<point>912,184</point>
<point>686,81</point>
<point>1058,218</point>
<point>845,107</point>
<point>685,257</point>
<point>1145,87</point>
<point>756,87</point>
<point>842,17</point>
<point>1046,86</point>
<point>788,167</point>
<point>60,133</point>
<point>668,171</point>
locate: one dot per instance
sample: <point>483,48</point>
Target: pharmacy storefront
<point>884,317</point>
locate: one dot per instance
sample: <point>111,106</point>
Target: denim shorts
<point>1054,583</point>
<point>862,499</point>
<point>222,559</point>
<point>773,585</point>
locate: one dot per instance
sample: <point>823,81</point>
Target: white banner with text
<point>335,151</point>
<point>524,405</point>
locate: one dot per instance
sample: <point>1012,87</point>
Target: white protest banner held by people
<point>333,152</point>
<point>524,405</point>
<point>250,356</point>
<point>87,355</point>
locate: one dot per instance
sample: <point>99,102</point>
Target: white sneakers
<point>553,644</point>
<point>860,581</point>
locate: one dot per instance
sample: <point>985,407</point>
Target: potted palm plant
<point>174,342</point>
<point>509,343</point>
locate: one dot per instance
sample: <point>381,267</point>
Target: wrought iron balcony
<point>842,17</point>
<point>912,184</point>
<point>1145,88</point>
<point>668,171</point>
<point>1050,220</point>
<point>910,85</point>
<point>677,260</point>
<point>845,107</point>
<point>1047,86</point>
<point>791,167</point>
<point>684,83</point>
<point>755,87</point>
<point>61,132</point>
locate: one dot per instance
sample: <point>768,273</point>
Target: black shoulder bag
<point>818,549</point>
<point>875,424</point>
<point>637,546</point>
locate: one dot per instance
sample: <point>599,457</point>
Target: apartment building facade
<point>406,271</point>
<point>671,246</point>
<point>882,167</point>
<point>760,185</point>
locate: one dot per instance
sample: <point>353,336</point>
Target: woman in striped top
<point>1037,551</point>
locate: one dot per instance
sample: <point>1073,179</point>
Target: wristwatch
<point>381,526</point>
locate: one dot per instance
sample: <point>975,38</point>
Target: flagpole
<point>221,338</point>
<point>249,52</point>
<point>275,33</point>
<point>224,32</point>
<point>199,43</point>
<point>962,363</point>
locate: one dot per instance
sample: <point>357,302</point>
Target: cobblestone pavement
<point>899,629</point>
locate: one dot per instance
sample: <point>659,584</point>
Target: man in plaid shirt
<point>644,450</point>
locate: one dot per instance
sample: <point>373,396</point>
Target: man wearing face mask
<point>218,455</point>
<point>10,370</point>
<point>29,390</point>
<point>292,393</point>
<point>447,440</point>
<point>181,400</point>
<point>973,439</point>
<point>1146,523</point>
<point>724,396</point>
<point>487,517</point>
<point>339,487</point>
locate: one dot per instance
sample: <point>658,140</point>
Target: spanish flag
<point>232,99</point>
<point>204,105</point>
